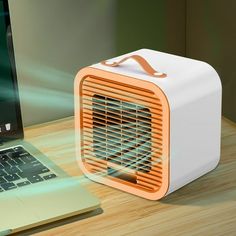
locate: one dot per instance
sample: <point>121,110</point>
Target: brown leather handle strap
<point>141,61</point>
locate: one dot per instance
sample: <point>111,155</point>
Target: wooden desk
<point>205,207</point>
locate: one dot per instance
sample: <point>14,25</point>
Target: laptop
<point>33,190</point>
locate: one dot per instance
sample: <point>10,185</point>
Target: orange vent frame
<point>122,125</point>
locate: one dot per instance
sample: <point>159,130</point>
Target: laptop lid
<point>10,114</point>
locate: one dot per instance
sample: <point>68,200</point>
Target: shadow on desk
<point>219,185</point>
<point>60,223</point>
<point>215,187</point>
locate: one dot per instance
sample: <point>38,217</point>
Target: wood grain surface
<point>206,206</point>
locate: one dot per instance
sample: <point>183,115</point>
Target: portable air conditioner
<point>147,122</point>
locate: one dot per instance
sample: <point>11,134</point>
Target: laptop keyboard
<point>19,168</point>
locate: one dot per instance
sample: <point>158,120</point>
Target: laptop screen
<point>10,116</point>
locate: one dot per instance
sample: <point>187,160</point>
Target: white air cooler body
<point>193,91</point>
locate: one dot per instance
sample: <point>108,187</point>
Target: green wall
<point>211,37</point>
<point>154,24</point>
<point>54,38</point>
<point>199,29</point>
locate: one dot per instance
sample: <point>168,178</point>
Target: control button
<point>8,126</point>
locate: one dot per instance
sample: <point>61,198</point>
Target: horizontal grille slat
<point>141,167</point>
<point>91,157</point>
<point>126,156</point>
<point>141,149</point>
<point>140,145</point>
<point>95,168</point>
<point>116,121</point>
<point>113,113</point>
<point>151,186</point>
<point>143,143</point>
<point>122,132</point>
<point>156,156</point>
<point>88,86</point>
<point>145,120</point>
<point>89,122</point>
<point>89,101</point>
<point>148,175</point>
<point>100,102</point>
<point>95,163</point>
<point>149,180</point>
<point>126,99</point>
<point>124,88</point>
<point>141,137</point>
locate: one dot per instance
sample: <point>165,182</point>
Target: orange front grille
<point>122,133</point>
